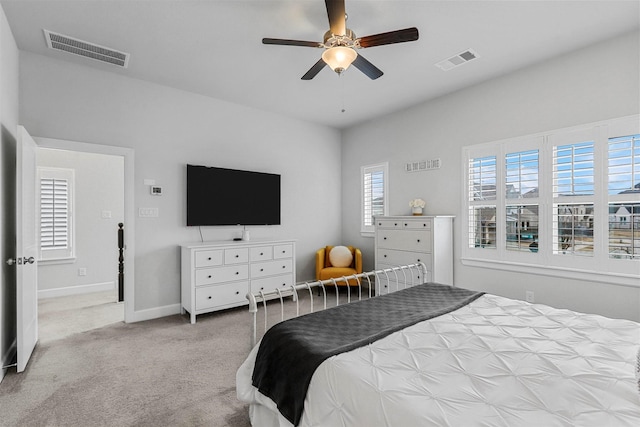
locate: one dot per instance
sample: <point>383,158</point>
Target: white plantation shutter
<point>54,213</point>
<point>374,194</point>
<point>56,189</point>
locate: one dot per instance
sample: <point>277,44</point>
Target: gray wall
<point>169,128</point>
<point>99,186</point>
<point>8,132</point>
<point>593,84</point>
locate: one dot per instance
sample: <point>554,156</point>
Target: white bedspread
<point>494,362</point>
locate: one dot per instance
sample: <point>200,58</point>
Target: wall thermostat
<point>156,191</point>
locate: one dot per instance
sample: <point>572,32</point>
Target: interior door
<point>26,249</point>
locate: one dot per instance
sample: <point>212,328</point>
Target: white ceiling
<point>213,47</point>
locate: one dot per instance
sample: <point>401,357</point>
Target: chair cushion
<point>336,272</point>
<point>340,256</point>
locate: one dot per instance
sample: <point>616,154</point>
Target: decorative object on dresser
<point>219,275</point>
<point>417,205</point>
<point>402,240</point>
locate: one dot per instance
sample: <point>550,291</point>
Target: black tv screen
<point>218,196</point>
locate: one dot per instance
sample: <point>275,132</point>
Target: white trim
<point>7,357</point>
<point>630,280</point>
<point>155,313</point>
<point>384,166</point>
<point>129,208</point>
<point>57,261</point>
<point>77,290</point>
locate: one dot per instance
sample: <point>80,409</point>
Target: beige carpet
<point>163,372</point>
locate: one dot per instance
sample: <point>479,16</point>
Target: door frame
<point>129,213</point>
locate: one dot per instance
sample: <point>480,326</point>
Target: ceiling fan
<point>340,44</point>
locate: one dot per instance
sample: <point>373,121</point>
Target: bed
<point>474,360</point>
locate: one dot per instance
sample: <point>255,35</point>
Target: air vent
<point>88,50</point>
<point>457,60</point>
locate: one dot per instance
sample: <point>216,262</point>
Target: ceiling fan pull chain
<point>342,92</point>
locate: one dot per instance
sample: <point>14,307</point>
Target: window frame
<point>369,230</point>
<point>68,253</point>
<point>599,267</point>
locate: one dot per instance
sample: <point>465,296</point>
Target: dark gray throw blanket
<point>291,351</point>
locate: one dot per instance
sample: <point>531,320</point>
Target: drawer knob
<point>262,288</point>
<point>284,266</point>
<point>395,223</point>
<point>405,224</point>
<point>237,272</point>
<point>262,269</point>
<point>385,256</point>
<point>209,276</point>
<point>284,284</point>
<point>209,258</point>
<point>209,297</point>
<point>237,292</point>
<point>418,240</point>
<point>261,253</point>
<point>384,238</point>
<point>237,256</point>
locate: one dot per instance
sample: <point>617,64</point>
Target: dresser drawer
<point>208,258</point>
<point>270,283</point>
<point>236,255</point>
<point>271,268</point>
<point>263,253</point>
<point>395,258</point>
<point>208,276</point>
<point>403,240</point>
<point>219,295</point>
<point>282,251</point>
<point>417,225</point>
<point>390,282</point>
<point>389,223</point>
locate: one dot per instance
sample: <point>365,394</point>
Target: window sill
<point>621,279</point>
<point>368,234</point>
<point>57,261</point>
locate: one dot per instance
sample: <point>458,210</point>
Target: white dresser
<point>218,275</point>
<point>402,240</point>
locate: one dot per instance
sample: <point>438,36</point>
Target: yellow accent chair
<point>324,269</point>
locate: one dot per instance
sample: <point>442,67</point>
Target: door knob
<point>29,260</point>
<point>11,261</point>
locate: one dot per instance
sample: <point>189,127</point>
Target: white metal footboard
<point>385,281</point>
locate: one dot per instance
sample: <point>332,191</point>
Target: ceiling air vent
<point>457,60</point>
<point>88,50</point>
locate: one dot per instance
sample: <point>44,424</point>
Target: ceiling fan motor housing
<point>346,40</point>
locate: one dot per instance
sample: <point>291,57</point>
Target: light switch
<point>148,212</point>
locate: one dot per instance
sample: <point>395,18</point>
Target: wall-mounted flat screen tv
<point>219,196</point>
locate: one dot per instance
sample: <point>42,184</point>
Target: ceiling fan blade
<point>367,67</point>
<point>398,36</point>
<point>313,71</point>
<point>286,42</point>
<point>337,17</point>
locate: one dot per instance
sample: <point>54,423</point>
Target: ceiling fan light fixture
<point>339,58</point>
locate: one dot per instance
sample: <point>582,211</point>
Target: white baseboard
<point>156,312</point>
<point>76,290</point>
<point>7,357</point>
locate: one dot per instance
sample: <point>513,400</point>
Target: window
<point>521,182</point>
<point>564,203</point>
<point>573,188</point>
<point>56,213</point>
<point>374,194</point>
<point>482,196</point>
<point>624,191</point>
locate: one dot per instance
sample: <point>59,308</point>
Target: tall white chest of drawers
<point>218,275</point>
<point>402,240</point>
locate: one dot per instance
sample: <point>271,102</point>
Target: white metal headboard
<point>386,280</point>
